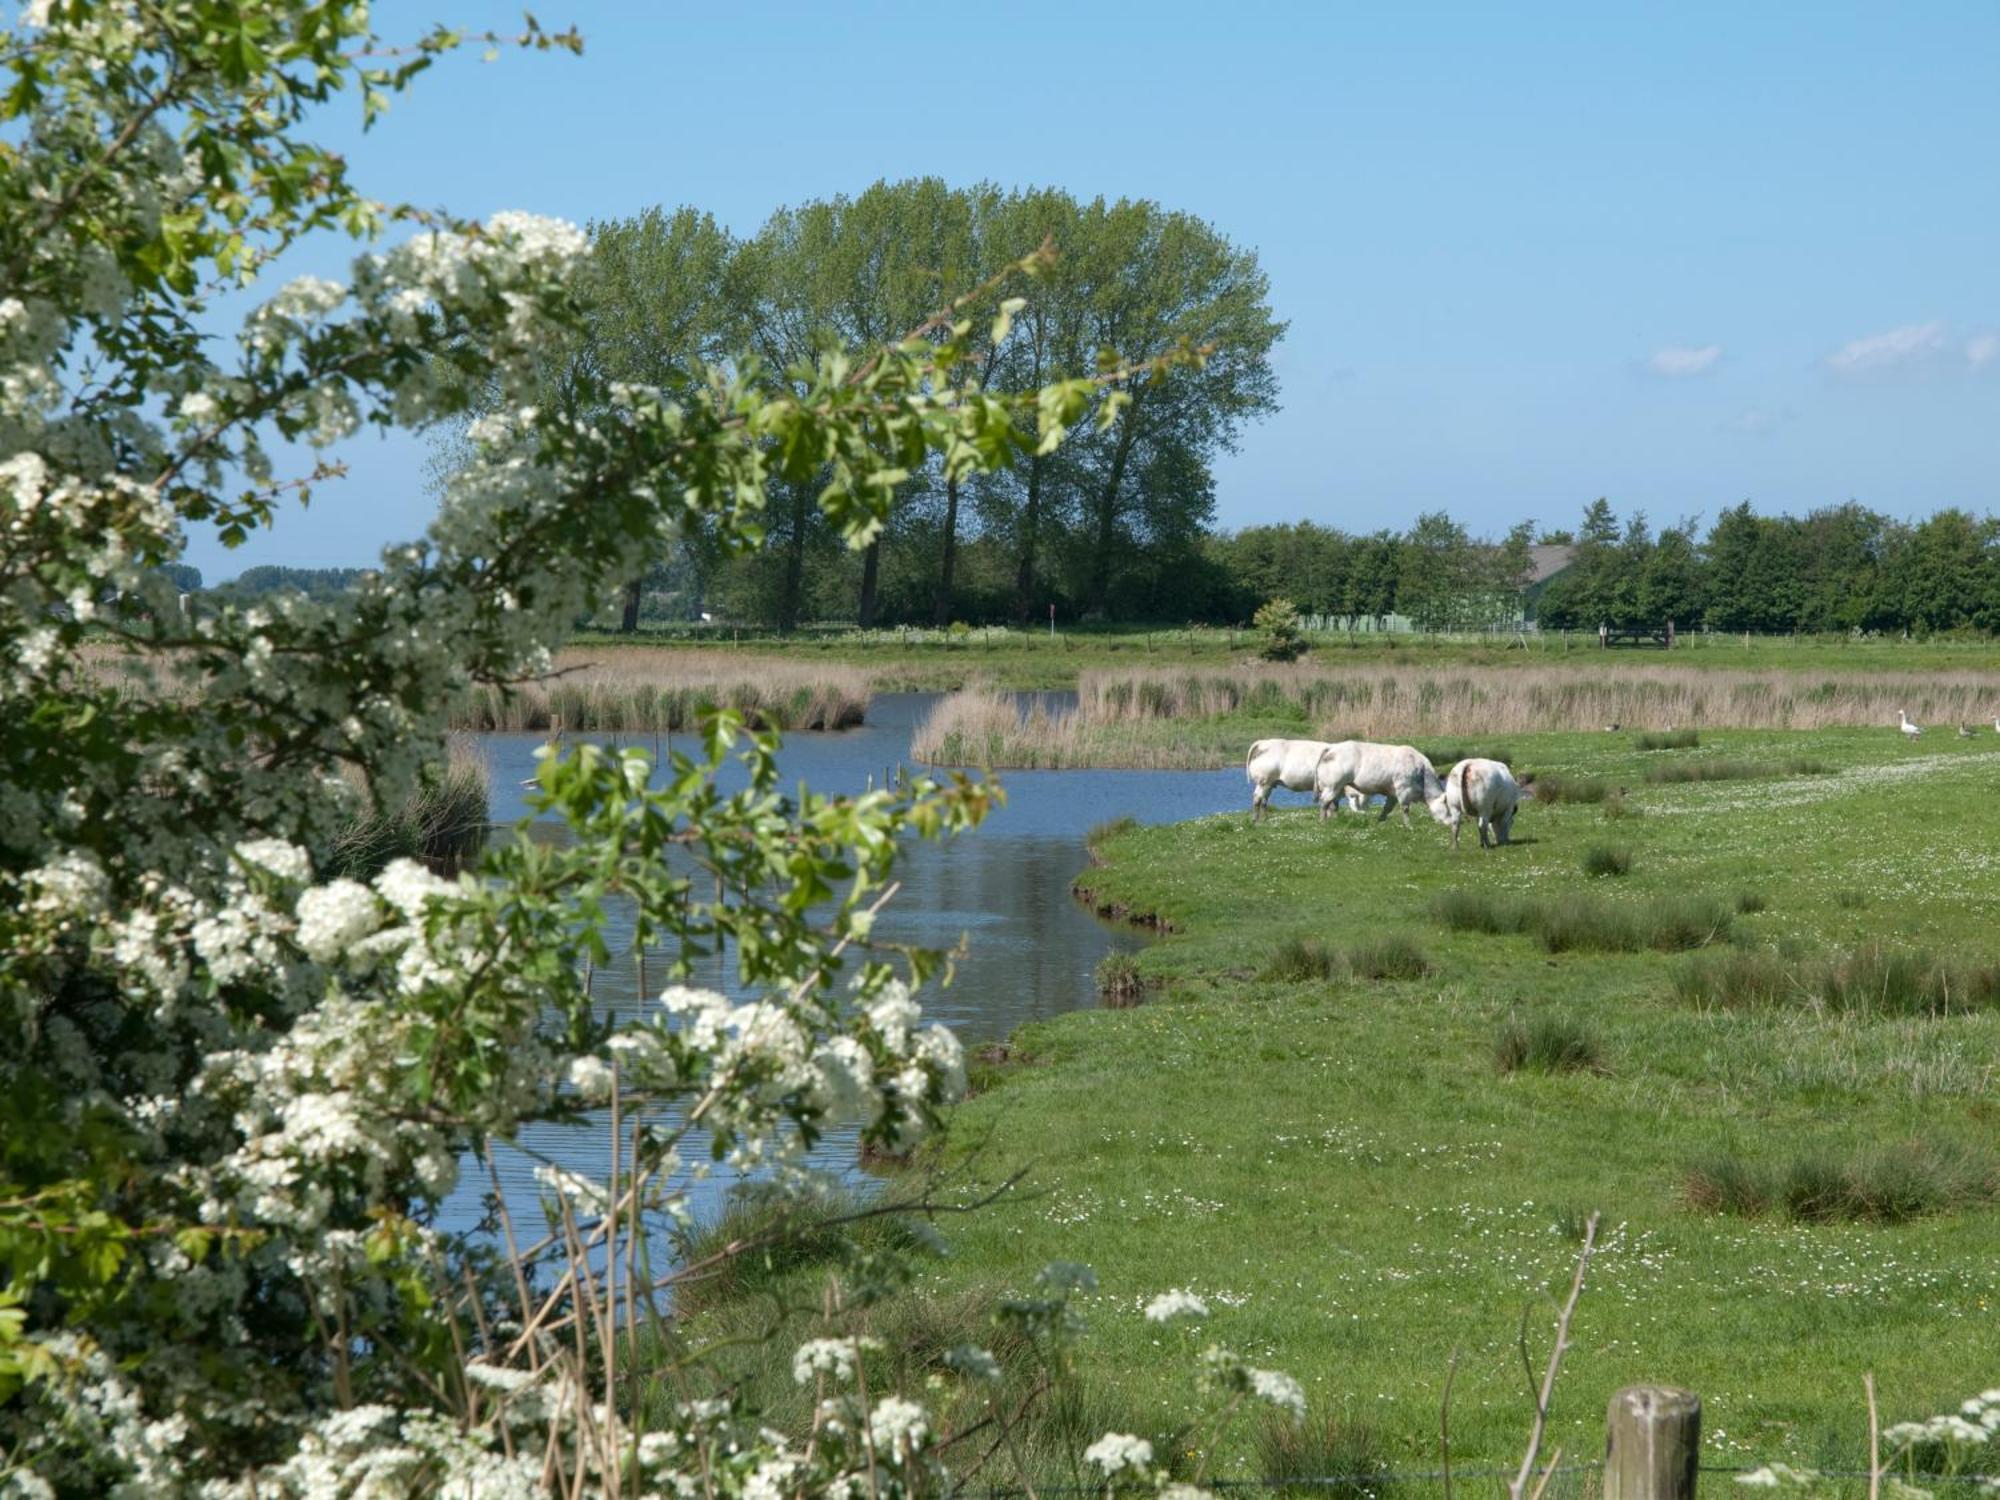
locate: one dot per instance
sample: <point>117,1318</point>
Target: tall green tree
<point>1151,281</point>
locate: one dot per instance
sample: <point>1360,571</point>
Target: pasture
<point>1374,1088</point>
<point>1031,659</point>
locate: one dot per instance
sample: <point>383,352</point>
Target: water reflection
<point>1004,890</point>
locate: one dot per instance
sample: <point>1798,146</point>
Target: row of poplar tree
<point>1102,525</point>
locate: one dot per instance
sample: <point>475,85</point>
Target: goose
<point>1964,733</point>
<point>1996,724</point>
<point>1910,731</point>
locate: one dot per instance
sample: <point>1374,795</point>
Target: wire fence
<point>1582,1481</point>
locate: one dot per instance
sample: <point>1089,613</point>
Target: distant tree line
<point>1842,568</point>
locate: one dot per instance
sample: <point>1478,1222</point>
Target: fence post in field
<point>1652,1443</point>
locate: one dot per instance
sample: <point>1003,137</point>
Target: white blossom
<point>1175,1304</point>
<point>1116,1452</point>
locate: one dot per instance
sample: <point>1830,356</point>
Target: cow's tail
<point>1465,784</point>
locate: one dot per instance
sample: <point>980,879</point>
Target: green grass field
<point>1342,1168</point>
<point>1032,659</point>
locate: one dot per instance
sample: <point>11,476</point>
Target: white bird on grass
<point>1910,731</point>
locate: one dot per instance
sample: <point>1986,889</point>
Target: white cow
<point>1285,763</point>
<point>1398,773</point>
<point>1484,788</point>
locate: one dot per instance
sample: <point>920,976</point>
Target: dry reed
<point>1120,714</point>
<point>645,690</point>
<point>1390,701</point>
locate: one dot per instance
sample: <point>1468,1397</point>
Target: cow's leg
<point>1388,806</point>
<point>1257,796</point>
<point>1456,824</point>
<point>1507,826</point>
<point>1484,822</point>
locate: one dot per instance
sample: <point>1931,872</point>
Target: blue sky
<point>1677,256</point>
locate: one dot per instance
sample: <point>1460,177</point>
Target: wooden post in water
<point>1652,1443</point>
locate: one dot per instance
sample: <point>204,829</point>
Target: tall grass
<point>1875,1185</point>
<point>1872,980</point>
<point>1119,986</point>
<point>443,821</point>
<point>1665,924</point>
<point>1547,1044</point>
<point>644,691</point>
<point>1671,739</point>
<point>1384,700</point>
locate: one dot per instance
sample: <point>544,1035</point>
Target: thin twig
<point>1874,1439</point>
<point>1517,1488</point>
<point>1444,1419</point>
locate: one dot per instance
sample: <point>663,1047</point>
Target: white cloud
<point>1760,421</point>
<point>1982,349</point>
<point>1899,348</point>
<point>1678,361</point>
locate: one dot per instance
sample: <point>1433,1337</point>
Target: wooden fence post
<point>1652,1444</point>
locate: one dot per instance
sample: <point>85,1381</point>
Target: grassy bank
<point>1201,718</point>
<point>641,689</point>
<point>1790,1127</point>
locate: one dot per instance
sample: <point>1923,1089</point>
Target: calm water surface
<point>1004,889</point>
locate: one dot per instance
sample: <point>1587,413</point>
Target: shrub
<point>1669,739</point>
<point>1388,958</point>
<point>1547,1044</point>
<point>1119,986</point>
<point>1607,859</point>
<point>1278,621</point>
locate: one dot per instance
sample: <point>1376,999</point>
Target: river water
<point>1004,889</point>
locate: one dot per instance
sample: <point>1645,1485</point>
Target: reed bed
<point>1392,701</point>
<point>443,821</point>
<point>646,691</point>
<point>985,726</point>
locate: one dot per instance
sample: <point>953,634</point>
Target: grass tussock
<point>1394,700</point>
<point>1303,960</point>
<point>1876,1185</point>
<point>1323,1454</point>
<point>1607,859</point>
<point>1718,769</point>
<point>1749,903</point>
<point>1559,786</point>
<point>1670,739</point>
<point>1665,924</point>
<point>1870,981</point>
<point>1547,1044</point>
<point>1119,986</point>
<point>1388,958</point>
<point>442,822</point>
<point>633,690</point>
<point>787,1238</point>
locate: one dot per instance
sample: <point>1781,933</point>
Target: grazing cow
<point>1484,788</point>
<point>1398,773</point>
<point>1280,763</point>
